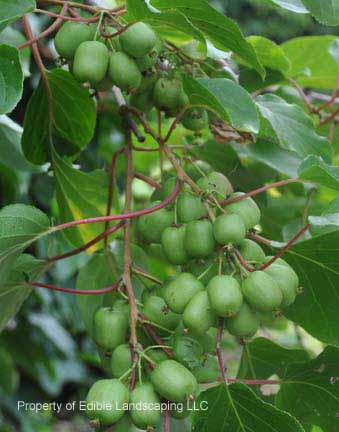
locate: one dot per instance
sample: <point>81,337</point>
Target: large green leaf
<point>225,98</point>
<point>316,262</point>
<point>10,148</point>
<point>74,117</point>
<point>272,155</point>
<point>315,170</point>
<point>292,5</point>
<point>10,36</point>
<point>12,10</point>
<point>20,226</point>
<point>238,409</point>
<point>223,32</point>
<point>262,358</point>
<point>304,54</point>
<point>97,273</point>
<point>270,54</point>
<point>311,391</point>
<point>11,78</point>
<point>293,128</point>
<point>80,195</point>
<point>326,12</point>
<point>13,290</point>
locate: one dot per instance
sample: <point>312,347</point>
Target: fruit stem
<point>286,247</point>
<point>167,425</point>
<point>221,363</point>
<point>254,236</point>
<point>149,329</point>
<point>148,180</point>
<point>242,261</point>
<point>141,272</point>
<point>125,216</point>
<point>258,191</point>
<point>103,235</point>
<point>74,291</point>
<point>128,257</point>
<point>67,18</point>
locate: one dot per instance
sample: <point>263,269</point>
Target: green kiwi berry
<point>225,296</point>
<point>262,292</point>
<point>110,327</point>
<point>246,208</point>
<point>245,323</point>
<point>124,72</point>
<point>198,315</point>
<point>190,207</point>
<point>70,36</point>
<point>199,239</point>
<point>173,244</point>
<point>91,62</point>
<point>229,228</point>
<point>138,40</point>
<point>195,119</point>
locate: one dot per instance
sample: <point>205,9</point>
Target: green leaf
<point>226,99</point>
<point>270,54</point>
<point>74,115</point>
<point>292,5</point>
<point>9,376</point>
<point>10,148</point>
<point>10,36</point>
<point>294,129</point>
<point>311,391</point>
<point>166,21</point>
<point>304,54</point>
<point>13,290</point>
<point>326,12</point>
<point>11,78</point>
<point>262,358</point>
<point>272,155</point>
<point>237,408</point>
<point>80,195</point>
<point>316,262</point>
<point>20,226</point>
<point>223,32</point>
<point>12,10</point>
<point>96,274</point>
<point>315,170</point>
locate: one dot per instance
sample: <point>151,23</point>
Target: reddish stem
<point>140,271</point>
<point>145,149</point>
<point>242,261</point>
<point>74,291</point>
<point>117,33</point>
<point>253,381</point>
<point>86,246</point>
<point>258,191</point>
<point>57,23</point>
<point>74,13</point>
<point>175,123</point>
<point>167,424</point>
<point>125,216</point>
<point>110,187</point>
<point>254,236</point>
<point>219,352</point>
<point>149,329</point>
<point>286,247</point>
<point>67,18</point>
<point>148,180</point>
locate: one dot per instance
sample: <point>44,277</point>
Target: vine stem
<point>286,247</point>
<point>242,261</point>
<point>124,216</point>
<point>149,329</point>
<point>83,6</point>
<point>219,352</point>
<point>103,235</point>
<point>260,239</point>
<point>258,191</point>
<point>67,18</point>
<point>52,28</point>
<point>167,424</point>
<point>40,65</point>
<point>148,180</point>
<point>141,272</point>
<point>252,382</point>
<point>128,257</point>
<point>74,291</point>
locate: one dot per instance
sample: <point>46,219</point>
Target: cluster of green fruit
<point>128,61</point>
<point>209,283</point>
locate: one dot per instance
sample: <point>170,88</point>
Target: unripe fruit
<point>138,40</point>
<point>208,371</point>
<point>142,101</point>
<point>194,170</point>
<point>216,183</point>
<point>165,190</point>
<point>110,327</point>
<point>125,424</point>
<point>105,85</point>
<point>287,281</point>
<point>244,324</point>
<point>199,240</point>
<point>246,208</point>
<point>174,381</point>
<point>124,72</point>
<point>157,355</point>
<point>91,62</point>
<point>180,291</point>
<point>173,244</point>
<point>252,252</point>
<point>151,226</point>
<point>262,292</point>
<point>70,36</point>
<point>224,295</point>
<point>148,61</point>
<point>180,411</point>
<point>279,261</point>
<point>198,316</point>
<point>167,93</point>
<point>121,360</point>
<point>148,414</point>
<point>156,310</point>
<point>189,207</point>
<point>195,119</point>
<point>187,351</point>
<point>113,395</point>
<point>229,228</point>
